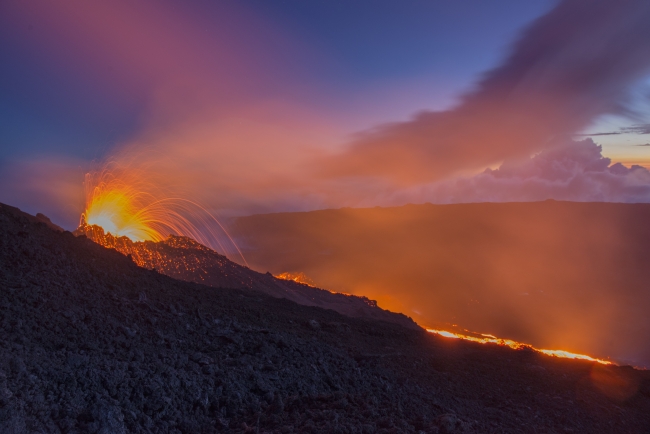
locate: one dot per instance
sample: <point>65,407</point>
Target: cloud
<point>637,129</point>
<point>237,141</point>
<point>634,129</point>
<point>223,121</point>
<point>573,64</point>
<point>576,171</point>
<point>609,133</point>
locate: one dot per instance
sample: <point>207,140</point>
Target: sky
<point>257,106</point>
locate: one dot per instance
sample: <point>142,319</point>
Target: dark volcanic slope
<point>184,259</point>
<point>91,343</point>
<point>561,275</point>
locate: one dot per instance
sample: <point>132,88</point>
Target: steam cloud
<point>570,66</point>
<point>576,171</point>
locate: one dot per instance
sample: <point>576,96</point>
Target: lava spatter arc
<point>124,203</point>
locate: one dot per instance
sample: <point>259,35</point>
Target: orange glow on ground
<point>490,339</point>
<point>296,277</point>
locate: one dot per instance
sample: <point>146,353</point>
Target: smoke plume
<point>570,66</point>
<point>239,141</point>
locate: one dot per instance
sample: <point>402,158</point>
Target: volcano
<point>93,343</point>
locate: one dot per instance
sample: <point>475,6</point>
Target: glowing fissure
<point>490,339</point>
<point>125,202</point>
<point>296,277</point>
<point>304,280</point>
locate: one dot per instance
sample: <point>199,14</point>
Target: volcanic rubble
<point>184,259</point>
<point>92,343</point>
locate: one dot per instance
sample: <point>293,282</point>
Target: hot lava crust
<point>92,343</point>
<point>184,259</point>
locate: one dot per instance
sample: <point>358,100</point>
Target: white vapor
<point>575,171</point>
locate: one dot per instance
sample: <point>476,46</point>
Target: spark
<point>127,201</point>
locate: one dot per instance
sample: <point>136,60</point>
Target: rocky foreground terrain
<point>92,343</point>
<point>184,259</point>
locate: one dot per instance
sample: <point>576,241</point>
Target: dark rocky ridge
<point>93,343</point>
<point>184,259</point>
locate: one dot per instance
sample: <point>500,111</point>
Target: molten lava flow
<point>297,277</point>
<point>490,339</point>
<point>126,203</point>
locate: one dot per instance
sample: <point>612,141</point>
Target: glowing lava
<point>126,202</point>
<point>297,277</point>
<point>490,339</point>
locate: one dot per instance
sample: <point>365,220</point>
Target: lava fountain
<point>127,201</point>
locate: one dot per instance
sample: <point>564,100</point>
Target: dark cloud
<point>568,67</point>
<point>637,129</point>
<point>610,133</point>
<point>634,129</point>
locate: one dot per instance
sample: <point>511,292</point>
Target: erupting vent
<point>125,203</point>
